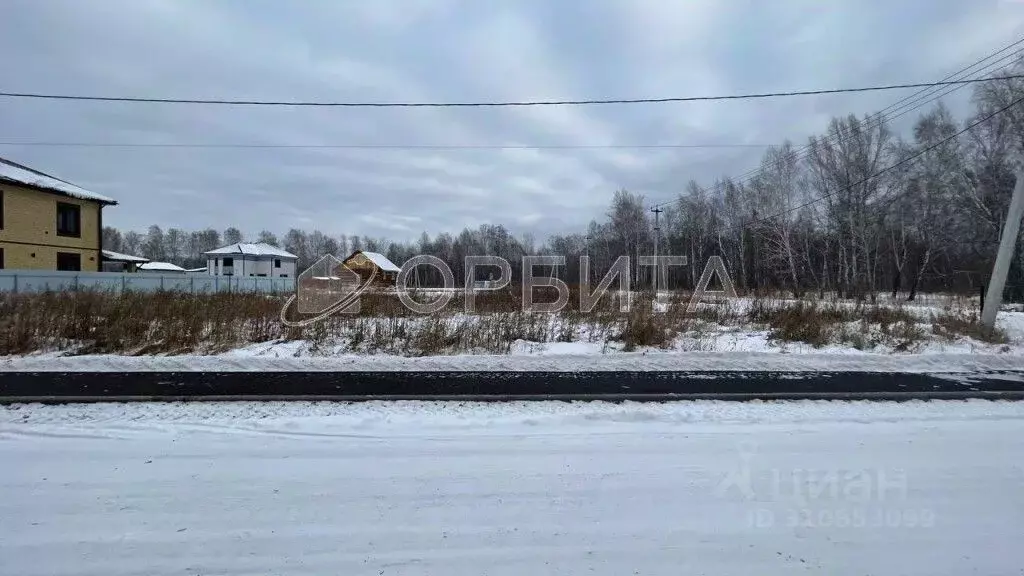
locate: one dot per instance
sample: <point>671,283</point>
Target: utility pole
<point>657,212</point>
<point>1007,243</point>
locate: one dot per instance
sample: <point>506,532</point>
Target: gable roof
<point>380,260</point>
<point>252,249</point>
<point>118,257</point>
<point>18,174</point>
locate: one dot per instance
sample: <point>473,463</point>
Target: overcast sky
<point>447,50</point>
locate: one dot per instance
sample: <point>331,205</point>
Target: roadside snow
<point>268,360</point>
<point>409,489</point>
<point>414,417</point>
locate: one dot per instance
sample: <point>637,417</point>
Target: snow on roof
<point>252,249</point>
<point>118,257</point>
<point>160,267</point>
<point>203,269</point>
<point>14,172</point>
<point>381,261</point>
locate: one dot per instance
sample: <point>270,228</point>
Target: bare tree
<point>842,166</point>
<point>295,241</point>
<point>132,242</point>
<point>153,247</point>
<point>232,235</point>
<point>630,226</point>
<point>111,239</point>
<point>775,193</point>
<point>175,245</point>
<point>937,181</point>
<point>267,237</point>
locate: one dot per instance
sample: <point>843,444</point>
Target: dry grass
<point>642,327</point>
<point>949,325</point>
<point>820,323</point>
<point>174,323</point>
<point>133,322</point>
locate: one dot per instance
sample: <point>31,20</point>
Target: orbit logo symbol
<point>326,287</point>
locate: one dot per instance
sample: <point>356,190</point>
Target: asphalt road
<point>619,385</point>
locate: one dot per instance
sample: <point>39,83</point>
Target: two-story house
<point>251,259</point>
<point>47,223</point>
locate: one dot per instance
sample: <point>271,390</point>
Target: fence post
<point>124,283</point>
<point>192,284</point>
<point>15,283</point>
<point>76,282</point>
<point>161,282</point>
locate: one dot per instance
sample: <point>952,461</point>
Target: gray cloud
<point>447,50</point>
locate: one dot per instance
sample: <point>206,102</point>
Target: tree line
<point>809,218</point>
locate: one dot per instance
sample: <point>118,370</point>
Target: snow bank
<point>666,361</point>
<point>413,417</point>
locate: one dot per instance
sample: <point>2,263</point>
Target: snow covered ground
<point>510,489</point>
<point>574,361</point>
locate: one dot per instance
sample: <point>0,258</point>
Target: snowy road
<point>532,488</point>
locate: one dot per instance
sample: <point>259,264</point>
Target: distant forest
<point>810,218</point>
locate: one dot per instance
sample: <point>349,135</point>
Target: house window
<point>1,212</point>
<point>1,258</point>
<point>229,262</point>
<point>277,263</point>
<point>69,262</point>
<point>69,220</point>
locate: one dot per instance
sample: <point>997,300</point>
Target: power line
<point>949,83</point>
<point>877,119</point>
<point>881,172</point>
<point>383,146</point>
<point>914,101</point>
<point>493,104</point>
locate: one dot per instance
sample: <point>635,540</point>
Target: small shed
<point>365,263</point>
<point>161,268</point>
<point>117,262</point>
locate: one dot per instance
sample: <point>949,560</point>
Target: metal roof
<point>118,257</point>
<point>160,267</point>
<point>18,174</point>
<point>252,249</point>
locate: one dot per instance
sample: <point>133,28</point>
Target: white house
<point>161,268</point>
<point>251,259</point>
